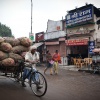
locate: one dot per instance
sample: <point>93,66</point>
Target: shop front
<point>60,46</point>
<point>77,47</point>
<point>81,28</point>
<point>52,46</point>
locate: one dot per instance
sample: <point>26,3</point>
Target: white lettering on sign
<point>39,35</point>
<point>77,17</point>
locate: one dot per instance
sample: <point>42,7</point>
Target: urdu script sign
<point>79,16</point>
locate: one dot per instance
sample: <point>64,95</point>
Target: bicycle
<point>34,82</point>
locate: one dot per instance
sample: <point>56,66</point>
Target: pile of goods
<point>12,50</point>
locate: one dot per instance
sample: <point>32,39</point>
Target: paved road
<point>67,85</point>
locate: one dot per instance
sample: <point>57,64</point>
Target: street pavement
<point>69,84</point>
<point>69,67</point>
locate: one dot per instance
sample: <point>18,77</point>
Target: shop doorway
<point>77,51</point>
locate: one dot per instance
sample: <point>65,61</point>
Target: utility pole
<point>31,15</point>
<point>31,33</point>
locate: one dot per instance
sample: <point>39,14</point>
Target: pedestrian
<point>30,57</point>
<point>57,60</point>
<point>49,62</point>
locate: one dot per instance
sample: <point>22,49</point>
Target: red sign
<point>73,42</point>
<point>39,36</point>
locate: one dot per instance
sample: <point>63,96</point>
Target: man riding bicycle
<point>31,57</point>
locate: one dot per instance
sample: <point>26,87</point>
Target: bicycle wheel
<point>38,84</point>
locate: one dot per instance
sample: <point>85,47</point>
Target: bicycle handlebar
<point>27,64</point>
<point>23,61</point>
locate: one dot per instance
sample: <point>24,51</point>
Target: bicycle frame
<point>34,81</point>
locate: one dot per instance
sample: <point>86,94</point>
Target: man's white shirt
<point>32,57</point>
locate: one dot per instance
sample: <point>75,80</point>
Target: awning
<point>52,43</point>
<point>61,39</point>
<point>96,50</point>
<point>38,44</point>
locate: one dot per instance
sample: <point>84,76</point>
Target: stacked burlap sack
<point>12,50</point>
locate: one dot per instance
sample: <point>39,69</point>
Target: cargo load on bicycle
<point>12,50</point>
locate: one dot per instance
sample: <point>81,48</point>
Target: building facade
<point>82,31</point>
<point>78,34</point>
<point>55,37</point>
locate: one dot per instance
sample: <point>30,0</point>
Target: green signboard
<point>31,36</point>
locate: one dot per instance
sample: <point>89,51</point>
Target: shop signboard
<point>73,42</point>
<point>91,46</point>
<point>79,16</point>
<point>31,36</point>
<point>39,36</point>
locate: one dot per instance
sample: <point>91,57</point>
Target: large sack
<point>25,41</point>
<point>3,55</point>
<point>12,41</point>
<point>19,49</point>
<point>16,57</point>
<point>1,39</point>
<point>8,62</point>
<point>6,47</point>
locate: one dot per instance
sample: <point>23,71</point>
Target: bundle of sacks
<point>12,50</point>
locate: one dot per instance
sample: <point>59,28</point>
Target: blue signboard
<point>79,16</point>
<point>91,46</point>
